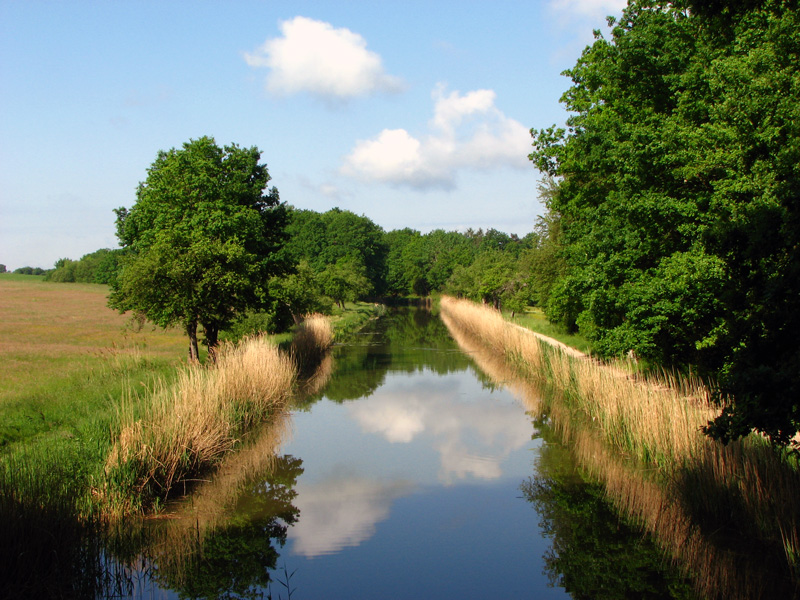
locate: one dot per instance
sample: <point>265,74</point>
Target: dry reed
<point>656,420</point>
<point>311,340</point>
<point>746,487</point>
<point>187,427</point>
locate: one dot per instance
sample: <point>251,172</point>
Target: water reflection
<point>592,555</point>
<point>342,511</point>
<point>472,438</point>
<point>413,473</point>
<point>724,563</point>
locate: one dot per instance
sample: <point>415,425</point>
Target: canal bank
<point>728,514</point>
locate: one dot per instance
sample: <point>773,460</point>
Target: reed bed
<point>172,542</point>
<point>187,427</point>
<point>312,338</point>
<point>745,491</point>
<point>657,420</point>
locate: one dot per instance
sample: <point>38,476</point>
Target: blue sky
<point>415,114</point>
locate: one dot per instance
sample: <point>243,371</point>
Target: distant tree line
<point>98,267</point>
<point>337,256</point>
<point>29,271</point>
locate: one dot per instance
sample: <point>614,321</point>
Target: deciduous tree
<point>202,240</point>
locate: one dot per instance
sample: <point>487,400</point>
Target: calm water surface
<point>413,475</point>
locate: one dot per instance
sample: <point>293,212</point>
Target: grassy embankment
<point>744,491</point>
<point>85,397</point>
<point>535,320</point>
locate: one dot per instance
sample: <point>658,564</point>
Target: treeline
<point>100,266</point>
<point>338,256</point>
<point>677,200</point>
<point>97,267</point>
<point>345,257</point>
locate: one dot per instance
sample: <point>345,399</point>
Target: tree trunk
<point>212,339</point>
<point>191,331</point>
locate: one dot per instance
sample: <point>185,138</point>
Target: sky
<point>415,114</point>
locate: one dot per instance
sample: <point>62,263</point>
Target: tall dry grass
<point>187,427</point>
<point>744,490</point>
<point>656,420</point>
<point>312,338</point>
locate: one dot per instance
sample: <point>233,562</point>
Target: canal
<point>406,471</point>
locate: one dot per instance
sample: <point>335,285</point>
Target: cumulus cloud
<point>590,8</point>
<point>315,57</point>
<point>466,132</point>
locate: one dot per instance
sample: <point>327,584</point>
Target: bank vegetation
<point>706,501</point>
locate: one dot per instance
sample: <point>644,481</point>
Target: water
<point>423,478</point>
<point>412,474</point>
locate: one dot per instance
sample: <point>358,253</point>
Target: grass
<point>65,355</point>
<point>535,320</point>
<point>352,318</point>
<point>312,339</point>
<point>95,410</point>
<point>69,362</point>
<point>180,431</point>
<point>745,491</point>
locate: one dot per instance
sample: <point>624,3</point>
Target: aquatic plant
<point>187,427</point>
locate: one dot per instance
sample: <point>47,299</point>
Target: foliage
<point>345,281</point>
<point>341,237</point>
<point>678,201</point>
<point>202,240</point>
<point>30,271</point>
<point>100,266</point>
<point>300,293</point>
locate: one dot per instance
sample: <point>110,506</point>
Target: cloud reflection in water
<point>341,511</point>
<point>472,438</point>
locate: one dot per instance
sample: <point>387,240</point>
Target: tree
<point>345,280</point>
<point>678,200</point>
<point>64,272</point>
<point>323,239</point>
<point>299,293</point>
<point>202,240</point>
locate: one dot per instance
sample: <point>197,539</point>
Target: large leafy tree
<point>678,199</point>
<point>202,240</point>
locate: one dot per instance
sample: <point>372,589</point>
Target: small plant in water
<point>286,583</point>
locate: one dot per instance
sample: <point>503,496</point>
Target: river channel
<point>411,474</point>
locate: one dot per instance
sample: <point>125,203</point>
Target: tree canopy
<point>202,240</point>
<point>679,199</point>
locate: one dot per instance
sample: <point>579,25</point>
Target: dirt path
<point>553,342</point>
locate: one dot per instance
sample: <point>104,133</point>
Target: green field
<point>69,363</point>
<point>67,358</point>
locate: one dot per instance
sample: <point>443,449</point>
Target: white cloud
<point>590,7</point>
<point>313,56</point>
<point>467,132</point>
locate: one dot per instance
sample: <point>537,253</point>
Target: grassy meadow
<point>87,389</point>
<point>67,357</point>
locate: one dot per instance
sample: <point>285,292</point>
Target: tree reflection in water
<point>595,554</point>
<point>232,560</point>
